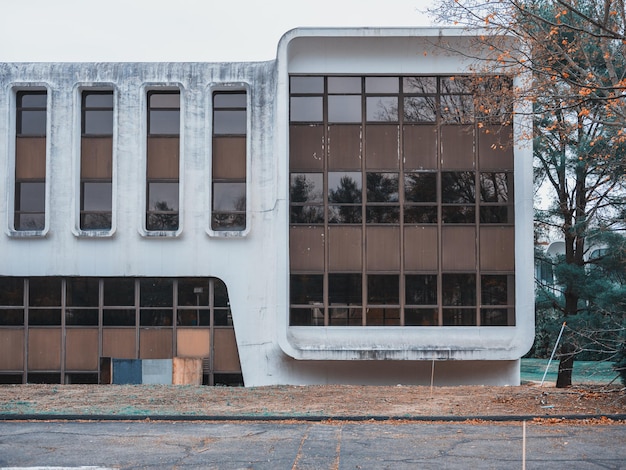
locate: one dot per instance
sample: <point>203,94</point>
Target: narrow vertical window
<point>229,161</point>
<point>96,156</point>
<point>163,160</point>
<point>30,160</point>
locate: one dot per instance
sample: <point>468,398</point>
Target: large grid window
<point>229,160</point>
<point>30,160</point>
<point>401,202</point>
<point>96,160</point>
<point>163,160</point>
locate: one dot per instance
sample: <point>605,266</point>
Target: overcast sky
<point>178,30</point>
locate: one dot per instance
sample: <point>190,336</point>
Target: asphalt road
<point>312,445</point>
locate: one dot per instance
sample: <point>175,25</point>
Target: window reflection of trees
<point>162,217</point>
<point>458,187</point>
<point>382,188</point>
<point>493,187</point>
<point>344,200</point>
<point>306,198</point>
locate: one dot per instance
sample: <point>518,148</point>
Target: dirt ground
<point>333,401</point>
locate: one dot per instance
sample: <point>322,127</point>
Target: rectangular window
<point>230,123</point>
<point>30,160</point>
<point>401,202</point>
<point>163,156</point>
<point>96,160</point>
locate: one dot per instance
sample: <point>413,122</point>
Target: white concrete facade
<point>254,264</point>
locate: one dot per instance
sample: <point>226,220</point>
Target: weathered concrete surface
<point>311,446</point>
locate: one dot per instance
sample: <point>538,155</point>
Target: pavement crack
<point>299,453</point>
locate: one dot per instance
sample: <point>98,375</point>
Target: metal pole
<point>552,355</point>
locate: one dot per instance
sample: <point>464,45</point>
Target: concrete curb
<point>311,418</point>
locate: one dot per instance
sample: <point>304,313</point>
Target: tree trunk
<point>566,365</point>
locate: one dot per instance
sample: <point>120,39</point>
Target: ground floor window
<point>56,329</point>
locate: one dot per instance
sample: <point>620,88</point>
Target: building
<point>337,215</point>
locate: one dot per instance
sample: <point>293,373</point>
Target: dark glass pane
<point>82,292</point>
<point>119,291</point>
<point>11,291</point>
<point>223,317</point>
<point>420,109</point>
<point>383,289</point>
<point>307,84</point>
<point>307,215</point>
<point>81,317</point>
<point>345,289</point>
<point>420,214</point>
<point>96,196</point>
<point>382,187</point>
<point>32,123</point>
<point>421,85</point>
<point>344,214</point>
<point>459,289</point>
<point>44,317</point>
<point>344,85</point>
<point>344,108</point>
<point>31,196</point>
<point>494,187</point>
<point>162,197</point>
<point>164,122</point>
<point>165,100</point>
<point>306,187</point>
<point>420,187</point>
<point>344,188</point>
<point>118,318</point>
<point>230,100</point>
<point>345,317</point>
<point>420,317</point>
<point>29,221</point>
<point>230,222</point>
<point>193,291</point>
<point>36,99</point>
<point>495,215</point>
<point>457,109</point>
<point>44,292</point>
<point>98,122</point>
<point>458,214</point>
<point>6,379</point>
<point>421,289</point>
<point>383,317</point>
<point>229,122</point>
<point>306,316</point>
<point>382,214</point>
<point>456,85</point>
<point>494,317</point>
<point>151,317</point>
<point>204,318</point>
<point>187,317</point>
<point>155,292</point>
<point>220,294</point>
<point>99,100</point>
<point>381,84</point>
<point>95,221</point>
<point>494,289</point>
<point>229,197</point>
<point>306,289</point>
<point>306,109</point>
<point>382,108</point>
<point>162,222</point>
<point>459,317</point>
<point>43,378</point>
<point>81,378</point>
<point>458,187</point>
<point>12,317</point>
